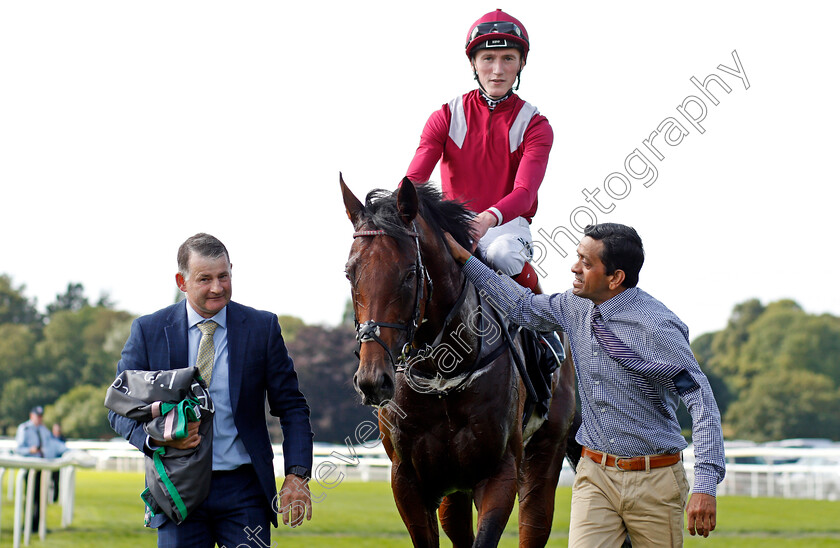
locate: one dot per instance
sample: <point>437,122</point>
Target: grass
<point>361,515</point>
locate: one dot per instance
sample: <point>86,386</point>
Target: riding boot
<point>555,345</point>
<point>547,349</point>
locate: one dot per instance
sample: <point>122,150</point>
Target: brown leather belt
<point>633,463</point>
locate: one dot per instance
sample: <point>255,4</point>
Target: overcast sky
<point>126,127</point>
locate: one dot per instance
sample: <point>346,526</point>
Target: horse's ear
<point>354,207</point>
<point>407,201</point>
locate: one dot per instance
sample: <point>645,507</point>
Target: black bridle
<point>370,330</point>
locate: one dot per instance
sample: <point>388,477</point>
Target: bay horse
<point>450,397</point>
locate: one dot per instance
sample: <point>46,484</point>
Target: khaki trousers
<point>608,503</point>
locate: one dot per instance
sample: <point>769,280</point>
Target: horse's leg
<point>542,462</point>
<point>417,514</point>
<point>494,498</point>
<point>456,519</point>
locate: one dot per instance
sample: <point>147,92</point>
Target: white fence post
<point>19,503</point>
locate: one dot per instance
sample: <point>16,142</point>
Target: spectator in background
<point>54,449</point>
<point>32,436</point>
<point>32,439</point>
<point>57,433</point>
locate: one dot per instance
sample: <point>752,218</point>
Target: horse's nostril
<point>386,387</point>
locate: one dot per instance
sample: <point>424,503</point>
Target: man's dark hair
<point>203,245</point>
<point>622,249</point>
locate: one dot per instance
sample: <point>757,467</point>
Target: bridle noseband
<point>370,330</point>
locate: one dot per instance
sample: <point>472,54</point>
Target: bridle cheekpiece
<point>370,330</point>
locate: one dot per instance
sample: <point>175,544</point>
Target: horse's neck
<point>448,285</point>
<point>457,342</point>
<point>447,282</point>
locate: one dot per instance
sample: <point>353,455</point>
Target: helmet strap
<point>475,75</point>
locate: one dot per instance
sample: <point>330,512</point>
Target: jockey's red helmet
<point>497,29</point>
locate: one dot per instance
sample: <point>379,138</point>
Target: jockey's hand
<point>458,252</point>
<point>481,223</point>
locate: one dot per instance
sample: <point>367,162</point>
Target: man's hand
<point>702,514</point>
<point>295,500</point>
<point>192,440</point>
<point>458,252</point>
<point>481,223</point>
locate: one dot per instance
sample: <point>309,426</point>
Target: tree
<point>81,413</point>
<point>17,361</point>
<point>325,365</point>
<point>80,346</point>
<point>290,325</point>
<point>726,345</point>
<point>19,396</point>
<point>73,299</point>
<point>14,306</point>
<point>775,362</point>
<point>74,348</point>
<point>787,404</point>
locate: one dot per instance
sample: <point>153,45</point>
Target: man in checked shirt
<point>634,364</point>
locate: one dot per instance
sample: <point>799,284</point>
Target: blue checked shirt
<point>618,417</point>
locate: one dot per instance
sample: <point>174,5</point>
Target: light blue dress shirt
<point>228,450</point>
<point>28,435</point>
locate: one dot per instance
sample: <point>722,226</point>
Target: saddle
<point>540,363</point>
<point>543,352</point>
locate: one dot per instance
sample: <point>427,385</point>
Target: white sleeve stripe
<point>458,123</point>
<point>499,218</point>
<point>517,130</point>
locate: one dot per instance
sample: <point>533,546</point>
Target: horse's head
<point>391,281</point>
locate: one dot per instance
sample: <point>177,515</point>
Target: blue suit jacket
<point>260,366</point>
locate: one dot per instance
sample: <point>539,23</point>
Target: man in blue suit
<point>248,362</point>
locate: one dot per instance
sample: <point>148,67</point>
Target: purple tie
<point>673,376</point>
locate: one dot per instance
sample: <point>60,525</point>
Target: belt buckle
<point>619,467</point>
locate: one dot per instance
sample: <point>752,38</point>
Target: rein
<point>424,383</point>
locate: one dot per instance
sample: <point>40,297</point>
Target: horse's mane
<point>442,215</point>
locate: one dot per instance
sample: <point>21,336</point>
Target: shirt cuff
<point>704,483</point>
<point>474,269</point>
<point>498,214</point>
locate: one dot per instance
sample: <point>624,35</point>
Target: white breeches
<point>508,247</point>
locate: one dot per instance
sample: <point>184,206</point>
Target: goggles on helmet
<point>497,27</point>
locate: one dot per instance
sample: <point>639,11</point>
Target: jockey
<point>494,148</point>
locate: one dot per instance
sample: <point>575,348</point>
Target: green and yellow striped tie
<point>206,350</point>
